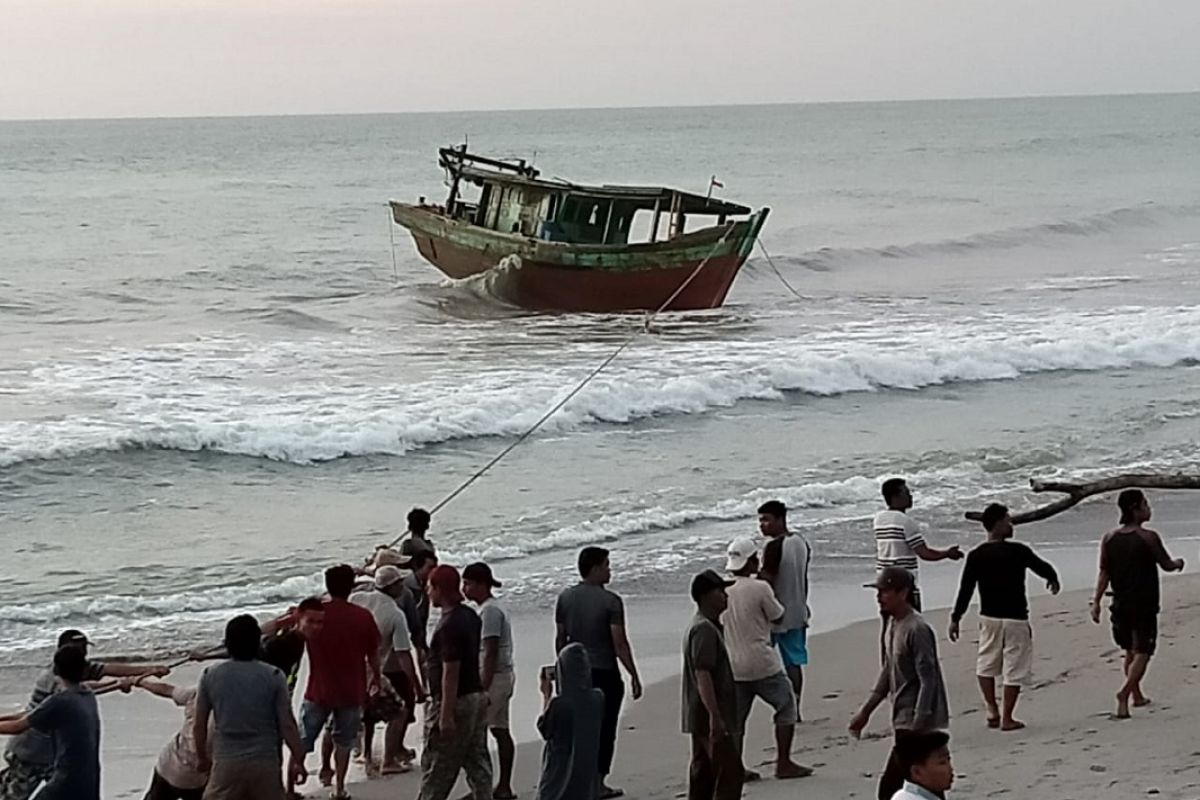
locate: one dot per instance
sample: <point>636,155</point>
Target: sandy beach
<point>1071,750</point>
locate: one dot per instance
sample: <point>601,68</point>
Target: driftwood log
<point>1077,492</point>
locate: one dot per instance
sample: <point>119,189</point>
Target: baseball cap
<point>72,636</point>
<point>739,552</point>
<point>446,578</point>
<point>895,578</point>
<point>388,575</point>
<point>706,582</point>
<point>480,573</point>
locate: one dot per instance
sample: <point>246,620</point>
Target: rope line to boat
<point>579,387</point>
<point>392,239</point>
<point>778,274</point>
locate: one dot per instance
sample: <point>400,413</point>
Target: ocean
<point>214,382</point>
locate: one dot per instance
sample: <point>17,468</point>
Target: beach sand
<point>1071,749</point>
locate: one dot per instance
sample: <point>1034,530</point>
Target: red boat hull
<point>539,285</point>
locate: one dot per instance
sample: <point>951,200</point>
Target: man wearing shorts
<point>757,668</point>
<point>401,684</point>
<point>785,567</point>
<point>344,664</point>
<point>495,668</point>
<point>998,568</point>
<point>1130,558</point>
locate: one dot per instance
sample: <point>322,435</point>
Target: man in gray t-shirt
<point>785,567</point>
<point>249,703</point>
<point>591,615</point>
<point>911,675</point>
<point>495,667</point>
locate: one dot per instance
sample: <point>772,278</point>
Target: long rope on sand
<point>579,387</point>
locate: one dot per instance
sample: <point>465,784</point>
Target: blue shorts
<point>346,724</point>
<point>793,646</point>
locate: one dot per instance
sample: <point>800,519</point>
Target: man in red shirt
<point>343,671</point>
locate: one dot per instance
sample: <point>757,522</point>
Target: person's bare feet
<point>325,776</point>
<point>1122,707</point>
<point>790,769</point>
<point>1012,725</point>
<point>993,722</point>
<point>1141,702</point>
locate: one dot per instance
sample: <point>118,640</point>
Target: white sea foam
<point>300,402</point>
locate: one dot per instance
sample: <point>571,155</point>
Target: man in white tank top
<point>785,567</point>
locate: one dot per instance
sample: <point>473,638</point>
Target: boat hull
<point>564,277</point>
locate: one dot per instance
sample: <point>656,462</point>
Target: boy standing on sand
<point>1005,636</point>
<point>898,538</point>
<point>911,675</point>
<point>1130,558</point>
<point>785,567</point>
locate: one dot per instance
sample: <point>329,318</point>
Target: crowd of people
<point>373,662</point>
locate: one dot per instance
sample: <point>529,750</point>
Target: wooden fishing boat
<point>569,247</point>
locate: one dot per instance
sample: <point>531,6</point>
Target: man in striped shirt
<point>898,539</point>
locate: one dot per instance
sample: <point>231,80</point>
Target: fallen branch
<point>1078,492</point>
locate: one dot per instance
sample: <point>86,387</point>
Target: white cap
<point>739,552</point>
<point>387,575</point>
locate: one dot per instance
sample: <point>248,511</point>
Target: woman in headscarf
<point>570,724</point>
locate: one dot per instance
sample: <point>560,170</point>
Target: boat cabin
<point>513,199</point>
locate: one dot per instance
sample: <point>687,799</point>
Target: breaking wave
<point>180,401</point>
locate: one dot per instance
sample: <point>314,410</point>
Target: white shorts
<point>499,698</point>
<point>1005,651</point>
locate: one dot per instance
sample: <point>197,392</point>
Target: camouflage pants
<point>20,779</point>
<point>465,750</point>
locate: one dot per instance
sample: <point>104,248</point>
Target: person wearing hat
<point>30,755</point>
<point>495,669</point>
<point>400,680</point>
<point>911,675</point>
<point>757,666</point>
<point>456,719</point>
<point>710,713</point>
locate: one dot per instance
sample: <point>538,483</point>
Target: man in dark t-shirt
<point>998,568</point>
<point>710,697</point>
<point>592,615</point>
<point>1130,558</point>
<point>456,720</point>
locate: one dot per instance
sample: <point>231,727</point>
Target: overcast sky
<point>106,58</point>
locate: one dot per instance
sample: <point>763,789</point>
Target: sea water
<point>214,383</point>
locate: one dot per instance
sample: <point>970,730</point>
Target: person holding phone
<point>570,723</point>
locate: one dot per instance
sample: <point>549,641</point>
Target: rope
<point>462,487</point>
<point>778,274</point>
<point>392,239</point>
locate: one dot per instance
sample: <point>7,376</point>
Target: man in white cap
<point>399,670</point>
<point>757,666</point>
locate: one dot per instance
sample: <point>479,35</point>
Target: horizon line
<point>683,106</point>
